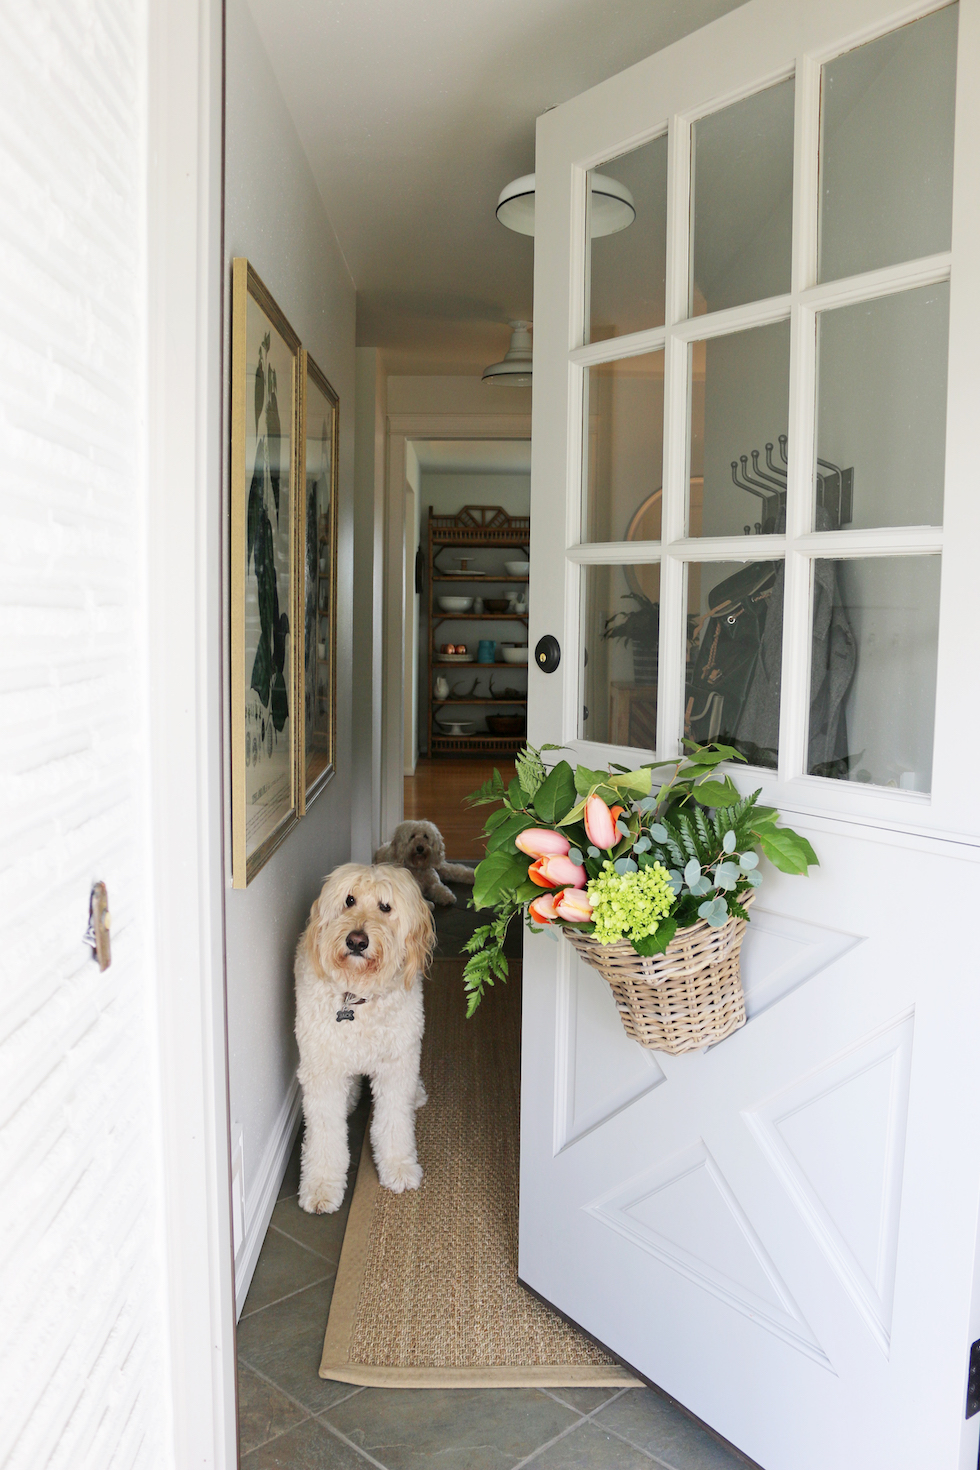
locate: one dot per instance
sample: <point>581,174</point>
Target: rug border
<point>335,1361</point>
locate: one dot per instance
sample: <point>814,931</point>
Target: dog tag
<point>345,1015</point>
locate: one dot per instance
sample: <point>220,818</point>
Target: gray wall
<point>275,217</point>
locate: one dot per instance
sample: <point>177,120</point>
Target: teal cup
<point>487,651</point>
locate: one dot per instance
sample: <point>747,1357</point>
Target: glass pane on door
<point>881,411</point>
<point>734,656</point>
<point>739,414</point>
<point>875,636</point>
<point>620,641</point>
<point>742,193</point>
<point>624,449</point>
<point>886,148</point>
<point>628,267</point>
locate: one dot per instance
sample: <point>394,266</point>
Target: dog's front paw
<point>445,897</point>
<point>322,1196</point>
<point>400,1174</point>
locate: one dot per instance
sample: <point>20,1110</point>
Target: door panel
<point>781,1231</point>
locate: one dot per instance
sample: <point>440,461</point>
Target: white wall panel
<point>83,1377</point>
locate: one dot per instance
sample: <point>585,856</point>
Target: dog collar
<point>345,1013</point>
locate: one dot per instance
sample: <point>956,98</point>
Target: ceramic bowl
<point>495,604</point>
<point>514,653</point>
<point>455,604</point>
<point>457,727</point>
<point>517,568</point>
<point>454,658</point>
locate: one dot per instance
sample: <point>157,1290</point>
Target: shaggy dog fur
<point>359,969</point>
<point>418,846</point>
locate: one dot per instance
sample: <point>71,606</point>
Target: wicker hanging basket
<point>688,997</point>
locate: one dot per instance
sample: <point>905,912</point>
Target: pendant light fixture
<point>612,205</point>
<point>515,370</point>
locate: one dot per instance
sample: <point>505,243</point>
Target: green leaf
<point>517,796</point>
<point>785,850</point>
<point>497,873</point>
<point>575,815</point>
<point>495,818</point>
<point>717,793</point>
<point>586,780</point>
<point>503,837</point>
<point>656,943</point>
<point>555,798</point>
<point>492,790</point>
<point>632,783</point>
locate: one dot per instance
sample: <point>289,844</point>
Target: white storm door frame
<point>759,44</point>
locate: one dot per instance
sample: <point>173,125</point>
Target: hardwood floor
<point>436,792</point>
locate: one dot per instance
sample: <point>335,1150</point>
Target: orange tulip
<point>600,824</point>
<point>542,909</point>
<point>561,872</point>
<point>574,905</point>
<point>538,842</point>
<point>536,875</point>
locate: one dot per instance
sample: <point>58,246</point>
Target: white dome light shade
<point>515,370</point>
<point>612,205</point>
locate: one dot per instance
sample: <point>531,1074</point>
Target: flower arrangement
<point>609,854</point>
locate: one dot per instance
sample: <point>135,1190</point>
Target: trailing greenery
<point>694,829</point>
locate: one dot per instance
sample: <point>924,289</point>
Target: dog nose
<point>357,941</point>
<point>419,849</point>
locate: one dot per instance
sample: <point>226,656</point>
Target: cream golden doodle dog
<point>418,846</point>
<point>359,969</point>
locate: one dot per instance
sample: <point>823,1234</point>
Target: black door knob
<point>547,654</point>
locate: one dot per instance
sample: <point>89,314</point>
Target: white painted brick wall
<point>82,1334</point>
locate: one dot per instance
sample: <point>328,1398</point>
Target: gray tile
<point>285,1342</point>
<point>321,1233</point>
<point>460,1429</point>
<point>310,1447</point>
<point>588,1448</point>
<point>263,1412</point>
<point>284,1267</point>
<point>290,1180</point>
<point>583,1399</point>
<point>658,1425</point>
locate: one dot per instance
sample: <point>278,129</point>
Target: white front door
<point>762,393</point>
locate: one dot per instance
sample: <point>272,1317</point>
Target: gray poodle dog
<point>418,846</point>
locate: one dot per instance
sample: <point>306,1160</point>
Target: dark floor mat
<point>455,925</point>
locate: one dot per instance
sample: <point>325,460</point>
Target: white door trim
<point>401,428</point>
<point>184,592</point>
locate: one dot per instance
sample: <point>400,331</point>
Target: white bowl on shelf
<point>456,727</point>
<point>514,653</point>
<point>517,568</point>
<point>455,604</point>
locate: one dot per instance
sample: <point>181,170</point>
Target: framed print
<point>318,552</point>
<point>265,390</point>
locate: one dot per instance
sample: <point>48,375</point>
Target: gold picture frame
<point>316,616</point>
<point>265,471</point>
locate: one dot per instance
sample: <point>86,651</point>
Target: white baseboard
<point>263,1191</point>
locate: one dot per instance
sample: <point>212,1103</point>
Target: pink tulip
<point>599,823</point>
<point>538,842</point>
<point>542,909</point>
<point>574,905</point>
<point>561,872</point>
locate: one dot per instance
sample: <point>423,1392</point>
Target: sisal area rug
<point>427,1294</point>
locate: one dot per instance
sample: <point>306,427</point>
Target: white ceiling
<point>414,116</point>
<point>473,456</point>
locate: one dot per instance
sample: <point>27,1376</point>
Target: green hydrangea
<point>629,905</point>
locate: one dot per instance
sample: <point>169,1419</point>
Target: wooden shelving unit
<point>474,528</point>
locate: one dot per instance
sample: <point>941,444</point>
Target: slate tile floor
<point>291,1419</point>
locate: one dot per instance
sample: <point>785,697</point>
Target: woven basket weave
<point>689,996</point>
